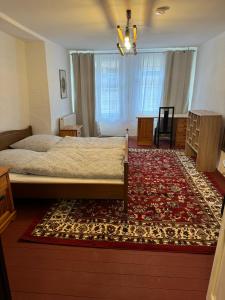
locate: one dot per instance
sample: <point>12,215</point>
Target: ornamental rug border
<point>57,226</point>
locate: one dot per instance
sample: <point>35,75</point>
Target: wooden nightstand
<point>7,214</point>
<point>71,131</point>
<point>7,211</point>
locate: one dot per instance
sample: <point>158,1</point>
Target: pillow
<point>17,159</point>
<point>38,142</point>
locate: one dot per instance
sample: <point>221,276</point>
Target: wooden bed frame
<point>65,190</point>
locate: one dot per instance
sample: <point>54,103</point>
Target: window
<point>128,86</point>
<point>151,88</point>
<point>107,87</point>
<point>109,104</point>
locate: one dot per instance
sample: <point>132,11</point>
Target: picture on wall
<point>63,85</point>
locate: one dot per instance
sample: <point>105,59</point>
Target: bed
<point>42,187</point>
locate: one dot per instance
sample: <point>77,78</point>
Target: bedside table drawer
<point>7,211</point>
<point>3,184</point>
<point>64,133</point>
<point>70,131</point>
<point>3,203</point>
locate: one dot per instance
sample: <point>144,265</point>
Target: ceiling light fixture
<point>162,10</point>
<point>128,40</point>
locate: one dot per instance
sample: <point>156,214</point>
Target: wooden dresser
<point>202,140</point>
<point>70,131</point>
<point>7,211</point>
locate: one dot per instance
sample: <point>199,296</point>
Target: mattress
<point>22,178</point>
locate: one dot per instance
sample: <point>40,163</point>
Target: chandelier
<point>128,38</point>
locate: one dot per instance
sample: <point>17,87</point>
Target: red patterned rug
<point>171,207</point>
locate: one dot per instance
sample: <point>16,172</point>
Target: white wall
<point>29,79</point>
<point>14,104</point>
<point>57,58</point>
<point>209,88</point>
<point>29,84</point>
<point>40,116</point>
<point>44,59</point>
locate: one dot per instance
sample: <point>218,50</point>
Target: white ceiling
<point>91,24</point>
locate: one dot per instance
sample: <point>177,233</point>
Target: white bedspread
<point>78,163</point>
<point>90,158</point>
<point>91,142</point>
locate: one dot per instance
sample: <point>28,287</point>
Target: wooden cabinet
<point>7,214</point>
<point>180,124</point>
<point>202,140</point>
<point>71,131</point>
<point>7,211</point>
<point>145,131</point>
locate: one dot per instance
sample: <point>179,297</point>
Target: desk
<point>145,131</point>
<point>146,126</point>
<point>180,127</point>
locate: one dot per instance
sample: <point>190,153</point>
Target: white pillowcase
<point>38,142</point>
<point>17,159</point>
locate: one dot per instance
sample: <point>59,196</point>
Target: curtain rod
<point>157,50</point>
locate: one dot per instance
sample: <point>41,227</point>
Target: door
<point>216,288</point>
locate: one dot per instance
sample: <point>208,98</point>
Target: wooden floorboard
<point>125,257</point>
<point>154,295</point>
<point>108,280</point>
<point>46,272</point>
<point>52,263</point>
<point>41,296</point>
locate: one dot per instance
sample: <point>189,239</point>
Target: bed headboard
<point>9,137</point>
<point>66,121</point>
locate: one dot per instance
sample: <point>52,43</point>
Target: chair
<point>164,126</point>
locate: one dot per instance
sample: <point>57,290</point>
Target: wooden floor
<point>44,272</point>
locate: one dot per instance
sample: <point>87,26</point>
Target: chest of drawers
<point>7,211</point>
<point>71,131</point>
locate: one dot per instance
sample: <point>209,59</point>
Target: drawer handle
<point>2,197</point>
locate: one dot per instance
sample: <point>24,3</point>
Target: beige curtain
<point>84,86</point>
<point>177,80</point>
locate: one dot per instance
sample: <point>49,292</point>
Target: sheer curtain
<point>110,91</point>
<point>147,81</point>
<point>127,87</point>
